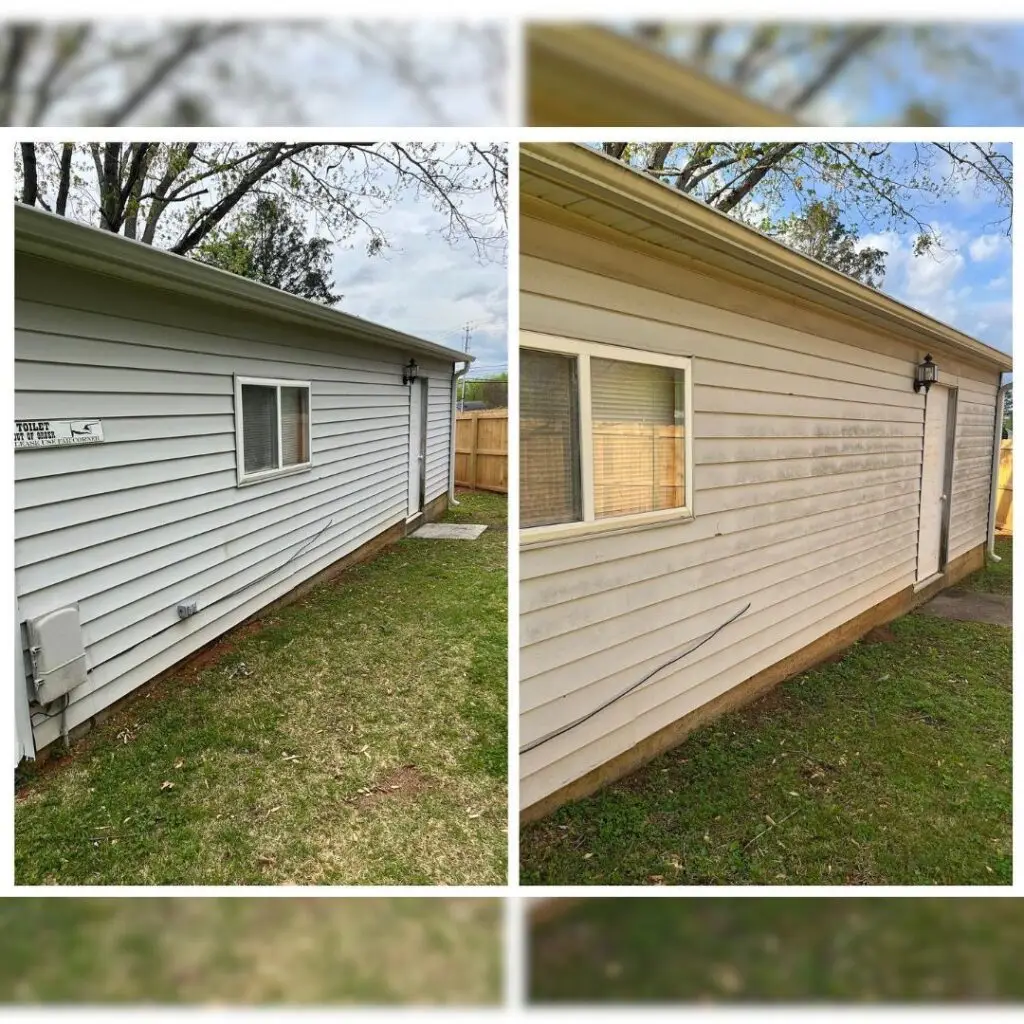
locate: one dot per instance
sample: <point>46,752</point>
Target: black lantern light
<point>411,369</point>
<point>927,374</point>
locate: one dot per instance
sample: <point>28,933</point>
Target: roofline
<point>588,76</point>
<point>725,242</point>
<point>72,243</point>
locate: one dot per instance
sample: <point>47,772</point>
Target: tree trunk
<point>64,185</point>
<point>30,187</point>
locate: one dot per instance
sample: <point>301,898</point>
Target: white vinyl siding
<point>130,527</point>
<point>807,461</point>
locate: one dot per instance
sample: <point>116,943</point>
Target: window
<point>604,436</point>
<point>272,427</point>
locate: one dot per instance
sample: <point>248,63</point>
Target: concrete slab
<point>969,606</point>
<point>448,531</point>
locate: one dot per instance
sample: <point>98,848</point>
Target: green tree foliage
<point>269,245</point>
<point>492,389</point>
<point>819,232</point>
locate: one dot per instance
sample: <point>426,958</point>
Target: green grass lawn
<point>889,766</point>
<point>766,950</point>
<point>996,577</point>
<point>250,951</point>
<point>357,736</point>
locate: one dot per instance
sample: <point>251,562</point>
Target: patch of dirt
<point>832,659</point>
<point>565,943</point>
<point>815,771</point>
<point>926,718</point>
<point>402,783</point>
<point>769,702</point>
<point>210,657</point>
<point>639,782</point>
<point>880,635</point>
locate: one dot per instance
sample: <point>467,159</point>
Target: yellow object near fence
<point>1004,494</point>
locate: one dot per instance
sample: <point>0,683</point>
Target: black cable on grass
<point>650,675</point>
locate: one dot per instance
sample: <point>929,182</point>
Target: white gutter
<point>994,488</point>
<point>456,374</point>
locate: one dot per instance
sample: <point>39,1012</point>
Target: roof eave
<point>588,76</point>
<point>726,241</point>
<point>74,244</point>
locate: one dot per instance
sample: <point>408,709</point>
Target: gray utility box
<point>58,654</point>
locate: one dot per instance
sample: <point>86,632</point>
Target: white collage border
<point>515,896</point>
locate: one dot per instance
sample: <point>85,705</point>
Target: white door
<point>417,445</point>
<point>934,499</point>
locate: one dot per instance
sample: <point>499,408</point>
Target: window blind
<point>549,478</point>
<point>259,427</point>
<point>638,431</point>
<point>294,426</point>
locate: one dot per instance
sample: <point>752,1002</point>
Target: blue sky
<point>970,70</point>
<point>969,284</point>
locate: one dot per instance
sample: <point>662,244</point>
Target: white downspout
<point>994,488</point>
<point>451,446</point>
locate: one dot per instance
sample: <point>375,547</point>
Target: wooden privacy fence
<point>1004,493</point>
<point>481,450</point>
<point>637,467</point>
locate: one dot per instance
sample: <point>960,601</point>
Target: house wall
<point>807,461</point>
<point>130,527</point>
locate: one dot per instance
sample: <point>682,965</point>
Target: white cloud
<point>426,286</point>
<point>986,247</point>
<point>931,277</point>
<point>933,283</point>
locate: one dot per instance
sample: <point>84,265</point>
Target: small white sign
<point>55,433</point>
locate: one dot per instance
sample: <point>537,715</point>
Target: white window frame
<point>244,479</point>
<point>584,351</point>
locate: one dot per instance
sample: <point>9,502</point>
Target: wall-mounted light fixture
<point>927,374</point>
<point>411,370</point>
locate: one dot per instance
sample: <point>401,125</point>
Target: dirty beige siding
<point>129,528</point>
<point>807,460</point>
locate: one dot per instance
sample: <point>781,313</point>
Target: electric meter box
<point>58,653</point>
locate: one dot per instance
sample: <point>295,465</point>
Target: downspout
<point>994,487</point>
<point>456,374</point>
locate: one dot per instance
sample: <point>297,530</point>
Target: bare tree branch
<point>856,43</point>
